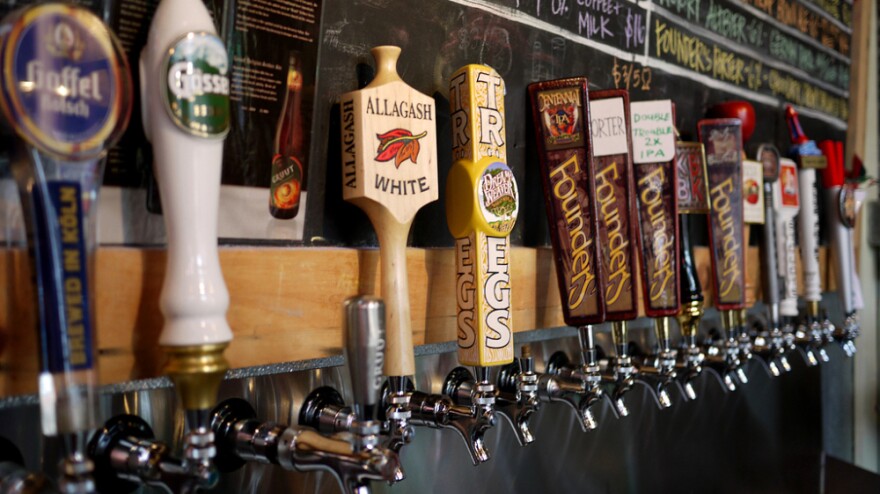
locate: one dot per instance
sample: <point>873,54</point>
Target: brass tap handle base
<point>197,372</point>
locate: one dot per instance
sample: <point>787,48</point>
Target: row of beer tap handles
<point>468,402</point>
<point>593,236</point>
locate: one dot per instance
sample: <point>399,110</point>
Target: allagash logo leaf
<point>400,145</point>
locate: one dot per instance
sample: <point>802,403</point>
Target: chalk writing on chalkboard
<point>792,13</point>
<point>751,29</point>
<point>616,23</point>
<point>631,76</point>
<point>675,44</point>
<point>789,50</point>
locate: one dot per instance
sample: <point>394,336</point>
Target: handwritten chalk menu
<point>772,50</point>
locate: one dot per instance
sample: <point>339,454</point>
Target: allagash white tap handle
<point>185,90</point>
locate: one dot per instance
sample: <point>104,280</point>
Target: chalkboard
<point>696,52</point>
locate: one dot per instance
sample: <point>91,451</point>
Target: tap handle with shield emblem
<point>389,154</point>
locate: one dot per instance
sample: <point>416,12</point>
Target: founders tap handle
<point>560,111</point>
<point>721,138</point>
<point>656,179</point>
<point>365,352</point>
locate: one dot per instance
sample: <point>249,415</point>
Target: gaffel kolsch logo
<point>62,87</point>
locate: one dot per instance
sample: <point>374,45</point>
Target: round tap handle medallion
<point>498,198</point>
<point>196,77</point>
<point>66,86</point>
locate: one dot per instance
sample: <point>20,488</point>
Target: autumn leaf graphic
<point>400,145</point>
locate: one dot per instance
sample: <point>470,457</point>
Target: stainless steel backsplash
<point>765,437</point>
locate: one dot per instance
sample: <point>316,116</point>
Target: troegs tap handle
<point>481,207</point>
<point>365,352</point>
<point>389,169</point>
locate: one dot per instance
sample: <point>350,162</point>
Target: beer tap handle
<point>769,157</point>
<point>374,144</point>
<point>692,197</point>
<point>656,181</point>
<point>840,201</point>
<point>808,222</point>
<point>723,143</point>
<point>809,158</point>
<point>691,288</point>
<point>67,96</point>
<point>186,131</point>
<point>790,200</point>
<point>481,208</point>
<point>365,353</point>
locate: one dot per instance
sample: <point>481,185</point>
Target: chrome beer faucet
<point>517,396</point>
<point>722,353</point>
<point>578,387</point>
<point>477,394</point>
<point>127,456</point>
<point>404,407</point>
<point>622,374</point>
<point>356,458</point>
<point>660,369</point>
<point>354,461</point>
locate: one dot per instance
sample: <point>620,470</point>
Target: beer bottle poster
<point>272,89</point>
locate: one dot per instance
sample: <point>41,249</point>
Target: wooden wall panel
<point>285,304</point>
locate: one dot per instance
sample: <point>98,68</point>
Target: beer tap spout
<point>353,461</point>
<point>660,371</point>
<point>127,456</point>
<point>473,412</point>
<point>518,395</point>
<point>770,346</point>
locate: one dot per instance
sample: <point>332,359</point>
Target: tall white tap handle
<point>185,92</point>
<point>787,199</point>
<point>841,249</point>
<point>808,221</point>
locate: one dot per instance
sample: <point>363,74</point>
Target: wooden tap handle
<point>389,161</point>
<point>399,358</point>
<point>656,181</point>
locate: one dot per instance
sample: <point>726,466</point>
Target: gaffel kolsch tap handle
<point>365,352</point>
